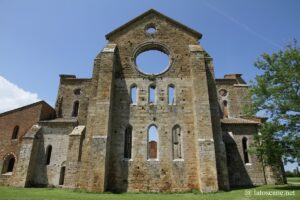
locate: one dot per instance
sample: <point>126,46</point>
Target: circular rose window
<point>223,92</point>
<point>152,59</point>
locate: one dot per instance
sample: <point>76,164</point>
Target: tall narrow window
<point>11,164</point>
<point>59,107</point>
<point>133,94</point>
<point>177,144</point>
<point>75,109</point>
<point>15,133</point>
<point>225,109</point>
<point>128,142</point>
<point>152,142</point>
<point>171,93</point>
<point>62,175</point>
<point>48,154</point>
<point>8,164</point>
<point>152,94</point>
<point>245,149</point>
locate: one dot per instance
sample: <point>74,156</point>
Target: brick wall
<point>23,117</point>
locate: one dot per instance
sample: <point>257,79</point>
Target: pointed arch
<point>177,142</point>
<point>152,142</point>
<point>133,94</point>
<point>152,94</point>
<point>128,142</point>
<point>171,94</point>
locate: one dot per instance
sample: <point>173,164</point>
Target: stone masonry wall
<point>67,96</point>
<point>241,173</point>
<point>89,147</point>
<point>163,173</point>
<point>237,97</point>
<point>56,135</point>
<point>96,146</point>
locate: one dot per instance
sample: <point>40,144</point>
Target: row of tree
<point>294,173</point>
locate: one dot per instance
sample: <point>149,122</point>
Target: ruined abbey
<point>98,135</point>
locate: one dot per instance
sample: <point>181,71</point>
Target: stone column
<point>95,158</point>
<point>207,170</point>
<point>25,162</point>
<point>74,156</point>
<point>1,165</point>
<point>221,159</point>
<point>2,178</point>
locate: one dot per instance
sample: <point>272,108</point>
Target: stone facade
<point>100,138</point>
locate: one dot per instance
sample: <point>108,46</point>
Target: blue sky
<point>41,39</point>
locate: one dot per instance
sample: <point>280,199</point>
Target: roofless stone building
<point>127,130</point>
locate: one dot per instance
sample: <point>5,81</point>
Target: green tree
<point>276,95</point>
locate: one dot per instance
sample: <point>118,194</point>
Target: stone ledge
<point>205,140</point>
<point>32,132</point>
<point>195,48</point>
<point>77,131</point>
<point>110,48</point>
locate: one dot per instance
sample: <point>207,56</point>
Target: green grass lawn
<point>8,193</point>
<point>293,180</point>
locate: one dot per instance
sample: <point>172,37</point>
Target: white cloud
<point>12,96</point>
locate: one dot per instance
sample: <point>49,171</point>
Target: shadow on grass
<point>288,187</point>
<point>233,188</point>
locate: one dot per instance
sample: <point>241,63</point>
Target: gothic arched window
<point>245,150</point>
<point>171,94</point>
<point>133,94</point>
<point>152,98</point>
<point>152,142</point>
<point>15,133</point>
<point>75,109</point>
